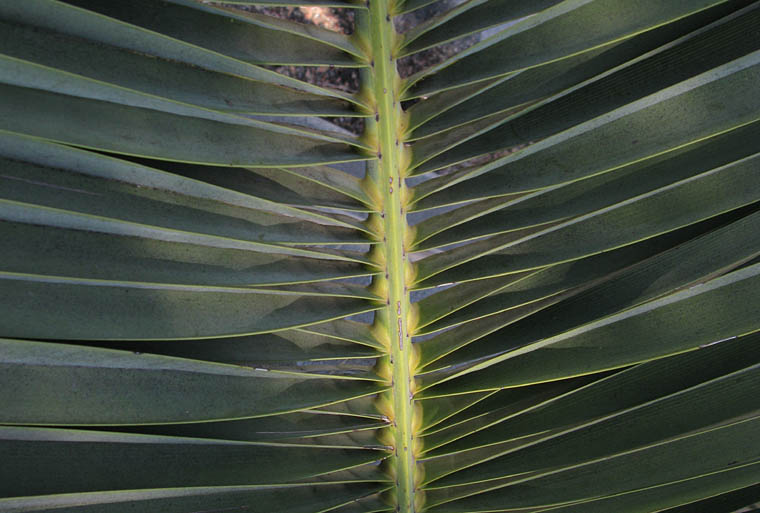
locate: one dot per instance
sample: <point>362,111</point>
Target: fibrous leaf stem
<point>394,324</point>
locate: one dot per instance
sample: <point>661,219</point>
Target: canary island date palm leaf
<point>530,284</point>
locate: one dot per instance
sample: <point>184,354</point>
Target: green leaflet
<point>410,5</point>
<point>331,178</point>
<point>660,495</point>
<point>533,290</point>
<point>297,499</point>
<point>500,215</point>
<point>728,39</point>
<point>553,34</point>
<point>472,16</point>
<point>502,405</point>
<point>57,189</point>
<point>655,465</point>
<point>685,495</point>
<point>492,401</point>
<point>79,169</point>
<point>468,103</point>
<point>149,133</point>
<point>298,428</point>
<point>237,431</point>
<point>319,188</point>
<point>66,247</point>
<point>372,504</point>
<point>176,80</point>
<point>538,292</point>
<point>141,256</point>
<point>630,221</point>
<point>555,160</point>
<point>292,347</point>
<point>439,409</point>
<point>57,384</point>
<point>44,78</point>
<point>70,308</point>
<point>731,296</point>
<point>115,461</point>
<point>347,330</point>
<point>607,289</point>
<point>582,399</point>
<point>422,112</point>
<point>362,407</point>
<point>230,33</point>
<point>65,19</point>
<point>689,410</point>
<point>450,300</point>
<point>741,497</point>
